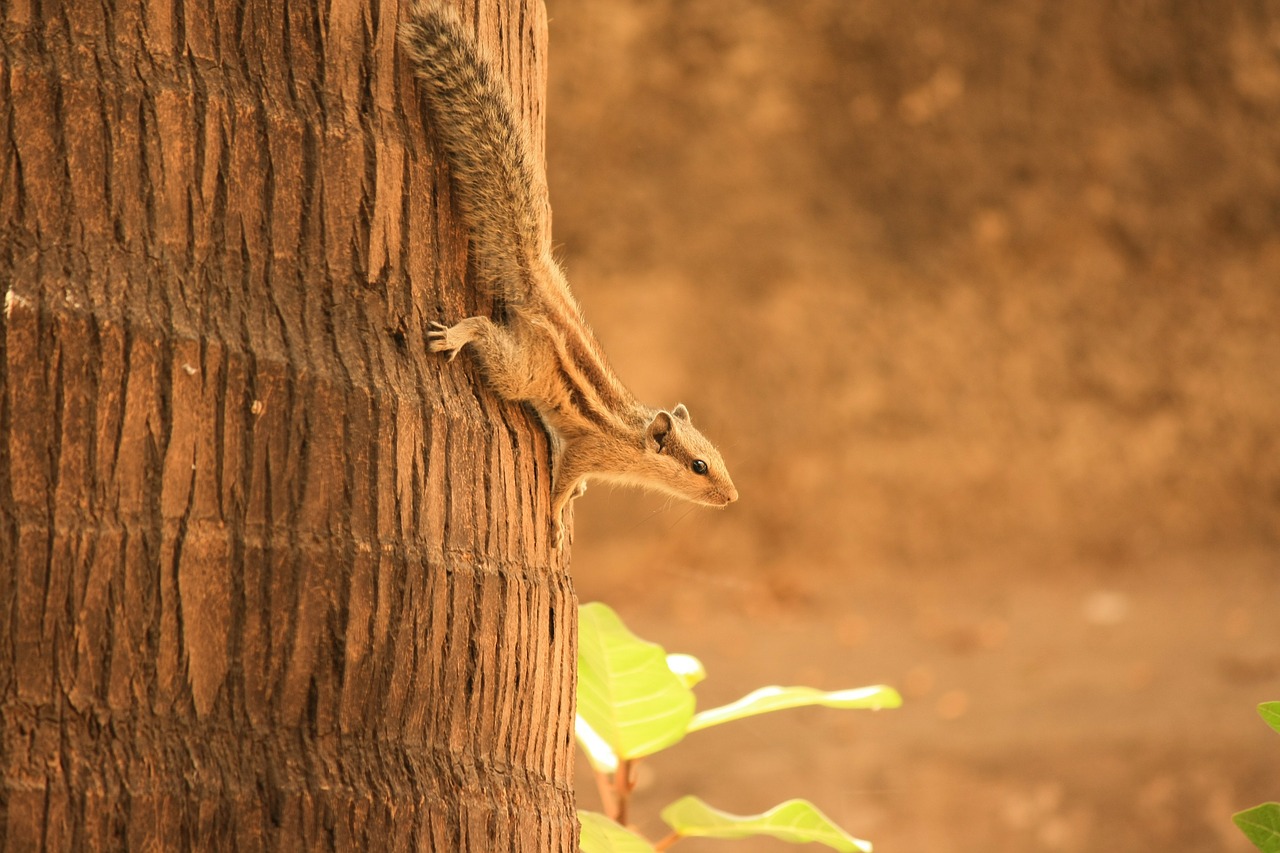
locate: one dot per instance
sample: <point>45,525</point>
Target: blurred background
<point>981,302</point>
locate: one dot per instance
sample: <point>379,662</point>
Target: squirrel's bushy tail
<point>502,195</point>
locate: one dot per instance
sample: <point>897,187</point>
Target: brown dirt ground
<point>982,303</point>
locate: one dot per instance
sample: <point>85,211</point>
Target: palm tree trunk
<point>271,575</point>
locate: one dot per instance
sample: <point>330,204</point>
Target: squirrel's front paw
<point>557,534</point>
<point>445,339</point>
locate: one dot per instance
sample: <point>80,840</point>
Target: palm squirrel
<point>542,352</point>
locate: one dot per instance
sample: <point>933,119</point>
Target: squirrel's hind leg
<point>501,355</point>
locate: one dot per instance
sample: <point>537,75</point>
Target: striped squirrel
<point>542,352</point>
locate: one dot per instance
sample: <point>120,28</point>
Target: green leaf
<point>687,668</point>
<point>601,835</point>
<point>598,752</point>
<point>768,699</point>
<point>1270,712</point>
<point>1261,824</point>
<point>626,692</point>
<point>797,821</point>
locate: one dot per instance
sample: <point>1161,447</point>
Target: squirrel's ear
<point>682,413</point>
<point>658,429</point>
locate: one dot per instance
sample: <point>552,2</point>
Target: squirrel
<point>542,352</point>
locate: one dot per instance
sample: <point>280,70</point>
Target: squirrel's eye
<point>699,467</point>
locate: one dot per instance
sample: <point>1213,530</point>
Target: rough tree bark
<point>271,576</point>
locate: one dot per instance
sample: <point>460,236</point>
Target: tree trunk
<point>274,577</point>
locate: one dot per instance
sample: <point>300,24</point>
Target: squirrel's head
<point>680,460</point>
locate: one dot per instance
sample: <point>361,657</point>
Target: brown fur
<point>544,353</point>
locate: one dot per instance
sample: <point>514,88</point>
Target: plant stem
<point>668,841</point>
<point>622,786</point>
<point>604,784</point>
